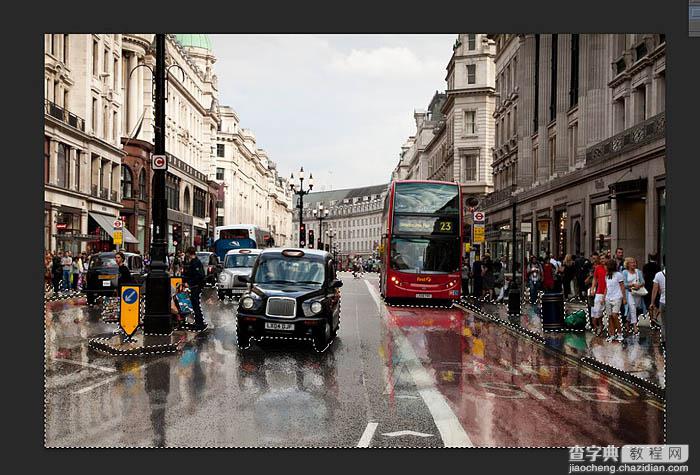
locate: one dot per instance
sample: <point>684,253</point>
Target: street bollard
<point>514,300</point>
<point>552,311</point>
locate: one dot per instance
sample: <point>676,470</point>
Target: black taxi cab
<point>291,293</point>
<point>102,278</point>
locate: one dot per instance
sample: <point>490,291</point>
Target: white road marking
<point>367,434</point>
<point>96,385</point>
<point>451,431</point>
<point>407,432</point>
<point>88,365</point>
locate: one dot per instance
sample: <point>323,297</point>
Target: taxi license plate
<point>106,283</point>
<point>424,296</point>
<point>105,276</point>
<point>279,326</point>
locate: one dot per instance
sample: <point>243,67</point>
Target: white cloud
<point>379,62</point>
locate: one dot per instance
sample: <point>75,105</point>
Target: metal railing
<point>62,114</point>
<point>104,193</point>
<point>651,129</point>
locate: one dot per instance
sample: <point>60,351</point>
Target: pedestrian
<point>568,275</point>
<point>67,263</point>
<point>77,266</point>
<point>465,277</point>
<point>658,292</point>
<point>548,271</point>
<point>598,291</point>
<point>620,259</point>
<point>649,271</point>
<point>534,278</point>
<point>488,277</point>
<point>56,272</point>
<point>48,261</point>
<point>193,276</point>
<point>634,284</point>
<point>477,278</point>
<point>614,299</point>
<point>584,269</point>
<point>125,277</point>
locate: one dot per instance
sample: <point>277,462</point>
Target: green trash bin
<point>576,320</point>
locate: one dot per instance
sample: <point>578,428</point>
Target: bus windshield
<point>425,255</point>
<point>432,198</point>
<point>234,234</point>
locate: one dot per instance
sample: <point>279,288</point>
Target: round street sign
<point>130,295</point>
<point>478,216</point>
<point>118,224</point>
<point>159,162</point>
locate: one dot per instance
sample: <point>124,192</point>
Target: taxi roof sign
<point>293,253</point>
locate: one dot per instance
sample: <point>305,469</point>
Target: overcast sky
<point>341,106</point>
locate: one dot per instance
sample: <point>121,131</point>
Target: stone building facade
<point>354,218</point>
<point>584,163</point>
<point>82,132</point>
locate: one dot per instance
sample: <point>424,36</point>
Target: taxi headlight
<point>247,303</point>
<point>312,307</point>
<point>223,278</point>
<point>316,307</point>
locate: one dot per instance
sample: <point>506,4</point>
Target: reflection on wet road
<point>401,377</point>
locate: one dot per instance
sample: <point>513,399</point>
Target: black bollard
<point>552,311</point>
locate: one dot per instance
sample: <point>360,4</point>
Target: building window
<point>115,135</point>
<point>471,42</point>
<point>199,203</point>
<point>77,170</point>
<point>573,144</point>
<point>219,173</point>
<point>641,50</point>
<point>114,73</point>
<point>471,73</point>
<point>142,184</point>
<point>47,159</point>
<point>65,50</point>
<point>535,165</point>
<point>619,115</point>
<point>552,154</point>
<point>95,57</point>
<point>105,124</point>
<point>94,116</point>
<point>640,104</point>
<point>661,92</point>
<point>602,226</point>
<point>172,194</point>
<point>63,166</point>
<point>219,220</point>
<point>127,182</point>
<point>553,84</point>
<point>470,168</point>
<point>220,150</point>
<point>573,89</point>
<point>469,122</point>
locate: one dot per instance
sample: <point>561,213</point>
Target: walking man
<point>67,263</point>
<point>193,276</point>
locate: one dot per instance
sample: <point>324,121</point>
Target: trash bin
<point>552,311</point>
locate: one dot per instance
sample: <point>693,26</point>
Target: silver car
<point>237,262</point>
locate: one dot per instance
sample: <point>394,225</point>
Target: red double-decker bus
<point>421,248</point>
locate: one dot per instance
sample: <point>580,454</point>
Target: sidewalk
<point>641,357</point>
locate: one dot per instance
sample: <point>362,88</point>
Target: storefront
<point>561,223</point>
<point>101,228</point>
<point>67,226</point>
<point>543,236</point>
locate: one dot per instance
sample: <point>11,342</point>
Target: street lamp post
<point>320,214</point>
<point>157,318</point>
<point>301,192</point>
<point>331,234</point>
<point>514,291</point>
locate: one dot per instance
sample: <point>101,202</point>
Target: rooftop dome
<point>194,41</point>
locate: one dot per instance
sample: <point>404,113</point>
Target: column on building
<point>561,164</point>
<point>132,94</point>
<point>526,71</point>
<point>543,107</point>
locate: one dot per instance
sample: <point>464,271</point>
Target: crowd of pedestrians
<point>609,284</point>
<point>63,271</point>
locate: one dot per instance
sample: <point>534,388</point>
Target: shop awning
<point>107,223</point>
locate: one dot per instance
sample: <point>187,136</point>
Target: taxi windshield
<point>282,270</point>
<point>240,260</point>
<point>102,261</point>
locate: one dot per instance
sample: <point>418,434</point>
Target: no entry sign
<point>160,162</point>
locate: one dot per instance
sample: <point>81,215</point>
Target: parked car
<point>293,293</point>
<point>212,267</point>
<point>103,272</point>
<point>237,263</point>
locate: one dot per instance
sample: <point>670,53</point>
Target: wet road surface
<point>394,377</point>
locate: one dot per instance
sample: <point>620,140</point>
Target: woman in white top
<point>633,280</point>
<point>614,298</point>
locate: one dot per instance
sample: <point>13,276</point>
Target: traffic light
<point>311,238</point>
<point>302,235</point>
<point>319,244</point>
